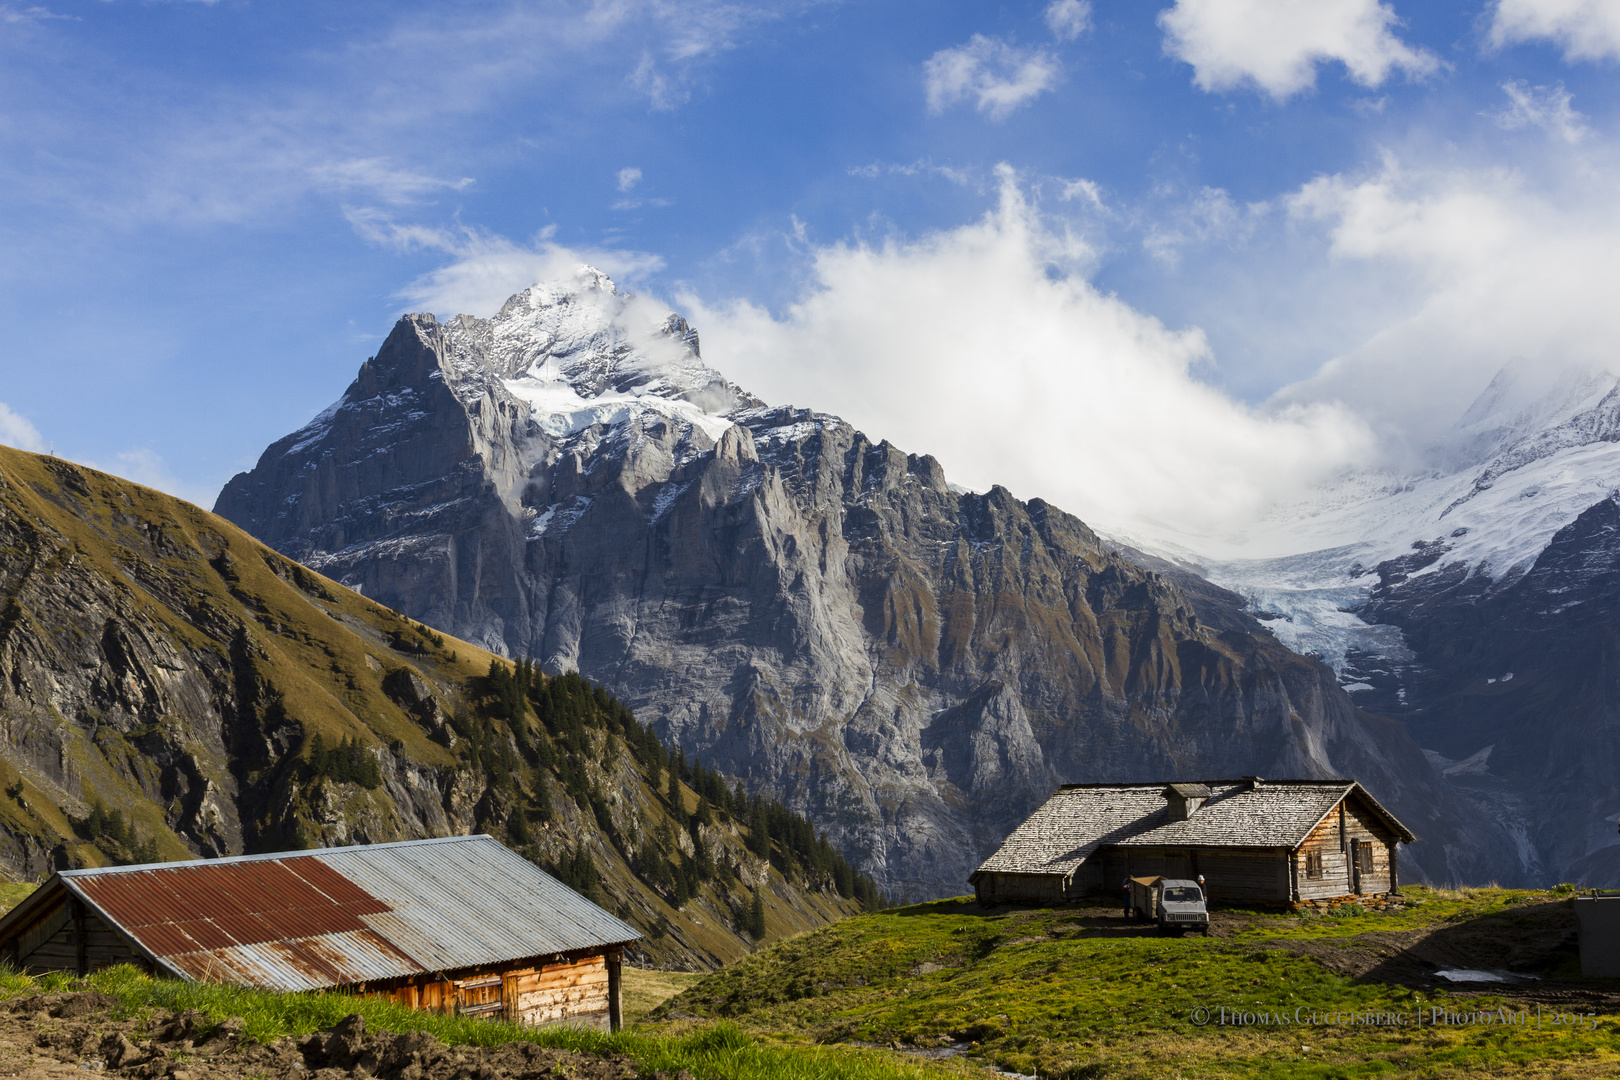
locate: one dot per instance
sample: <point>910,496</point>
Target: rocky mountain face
<point>913,666</point>
<point>171,688</point>
<point>1512,685</point>
<point>1472,603</point>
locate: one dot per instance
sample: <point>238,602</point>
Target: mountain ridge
<point>819,614</point>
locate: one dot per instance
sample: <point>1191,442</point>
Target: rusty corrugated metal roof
<point>307,920</point>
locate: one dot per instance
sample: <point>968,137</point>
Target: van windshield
<point>1183,894</point>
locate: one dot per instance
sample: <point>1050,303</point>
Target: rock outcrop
<point>914,666</point>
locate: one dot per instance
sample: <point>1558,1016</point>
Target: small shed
<point>1253,840</point>
<point>460,925</point>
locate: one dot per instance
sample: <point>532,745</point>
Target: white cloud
<point>1587,29</point>
<point>1277,44</point>
<point>999,75</point>
<point>17,431</point>
<point>1068,19</point>
<point>1548,108</point>
<point>920,167</point>
<point>11,15</point>
<point>486,269</point>
<point>382,179</point>
<point>1499,269</point>
<point>986,346</point>
<point>629,178</point>
<point>665,92</point>
<point>1210,214</point>
<point>1083,189</point>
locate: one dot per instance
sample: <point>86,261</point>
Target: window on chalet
<point>1364,856</point>
<point>1313,864</point>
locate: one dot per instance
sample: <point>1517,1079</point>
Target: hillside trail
<point>56,1036</point>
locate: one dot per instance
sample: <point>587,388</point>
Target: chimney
<point>1183,800</point>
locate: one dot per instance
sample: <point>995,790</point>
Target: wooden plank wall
<point>1333,838</point>
<point>1326,839</point>
<point>1230,874</point>
<point>996,888</point>
<point>560,993</point>
<point>61,942</point>
<point>575,991</point>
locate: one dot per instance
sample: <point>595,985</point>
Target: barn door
<point>483,995</point>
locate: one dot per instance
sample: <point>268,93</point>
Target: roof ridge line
<point>1264,782</point>
<point>97,871</point>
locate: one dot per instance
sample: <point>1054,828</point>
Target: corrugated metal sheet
<point>339,916</point>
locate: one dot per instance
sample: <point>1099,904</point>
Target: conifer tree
<point>756,918</point>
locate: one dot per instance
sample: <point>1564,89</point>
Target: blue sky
<point>1298,233</point>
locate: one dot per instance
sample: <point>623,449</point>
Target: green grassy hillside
<point>1081,992</point>
<point>174,688</point>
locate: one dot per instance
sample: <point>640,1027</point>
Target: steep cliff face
<point>914,666</point>
<point>1471,600</point>
<point>1513,685</point>
<point>170,687</point>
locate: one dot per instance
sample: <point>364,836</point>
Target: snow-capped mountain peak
<point>582,354</point>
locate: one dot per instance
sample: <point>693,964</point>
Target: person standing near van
<point>1127,888</point>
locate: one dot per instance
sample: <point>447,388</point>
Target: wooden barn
<point>459,925</point>
<point>1253,840</point>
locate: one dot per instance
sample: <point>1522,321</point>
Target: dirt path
<point>63,1036</point>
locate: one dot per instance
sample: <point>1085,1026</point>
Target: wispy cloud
<point>1547,107</point>
<point>997,75</point>
<point>629,178</point>
<point>344,122</point>
<point>13,16</point>
<point>1587,29</point>
<point>484,268</point>
<point>1209,214</point>
<point>1068,19</point>
<point>1276,45</point>
<point>16,431</point>
<point>381,178</point>
<point>920,167</point>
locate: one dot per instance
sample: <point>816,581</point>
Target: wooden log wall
<point>1334,842</point>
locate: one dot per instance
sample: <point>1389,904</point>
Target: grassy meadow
<point>947,989</point>
<point>1079,992</point>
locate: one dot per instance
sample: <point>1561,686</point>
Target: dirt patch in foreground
<point>64,1036</point>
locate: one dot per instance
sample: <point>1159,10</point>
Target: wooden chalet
<point>1253,840</point>
<point>460,925</point>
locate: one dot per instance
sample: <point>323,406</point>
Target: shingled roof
<point>1080,818</point>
